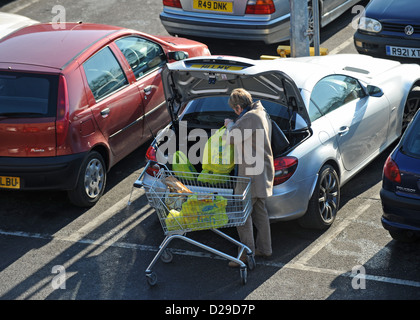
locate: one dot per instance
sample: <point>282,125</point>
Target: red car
<point>76,100</point>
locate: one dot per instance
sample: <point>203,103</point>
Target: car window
<point>142,55</point>
<point>27,94</point>
<point>411,141</point>
<point>333,92</point>
<point>104,74</point>
<point>313,111</point>
<point>213,110</point>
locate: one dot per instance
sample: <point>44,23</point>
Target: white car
<point>10,22</point>
<point>337,113</point>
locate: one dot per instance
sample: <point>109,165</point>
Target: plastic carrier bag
<point>199,213</point>
<point>218,156</point>
<point>181,163</point>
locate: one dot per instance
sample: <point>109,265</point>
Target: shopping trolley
<point>187,202</point>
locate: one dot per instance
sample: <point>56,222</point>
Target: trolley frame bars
<point>181,234</point>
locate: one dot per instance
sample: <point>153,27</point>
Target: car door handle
<point>105,112</point>
<point>148,90</point>
<point>343,131</point>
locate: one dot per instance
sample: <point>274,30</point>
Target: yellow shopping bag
<point>218,156</point>
<point>204,212</point>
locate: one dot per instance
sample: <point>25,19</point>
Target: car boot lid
<point>217,76</point>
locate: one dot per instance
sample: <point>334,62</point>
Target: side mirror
<point>374,91</point>
<point>177,55</point>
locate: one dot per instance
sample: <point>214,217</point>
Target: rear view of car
<point>75,101</point>
<point>400,193</point>
<point>244,20</point>
<point>250,20</point>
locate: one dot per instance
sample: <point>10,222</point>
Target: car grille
<point>400,28</point>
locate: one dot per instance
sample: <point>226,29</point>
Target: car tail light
<point>172,3</point>
<point>62,120</point>
<point>151,155</point>
<point>260,7</point>
<point>284,169</point>
<point>391,171</point>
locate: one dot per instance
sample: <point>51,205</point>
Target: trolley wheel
<point>251,261</point>
<point>151,278</point>
<point>166,256</point>
<point>244,275</point>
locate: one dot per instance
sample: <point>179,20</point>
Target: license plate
<point>9,182</point>
<point>218,67</point>
<point>403,52</point>
<point>220,6</point>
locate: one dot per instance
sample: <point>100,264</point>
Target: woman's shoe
<point>258,253</point>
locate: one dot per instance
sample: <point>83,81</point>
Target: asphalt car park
<point>102,252</point>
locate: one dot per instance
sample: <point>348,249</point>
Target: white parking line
<point>329,236</point>
<point>102,245</point>
<point>342,46</point>
<point>23,6</point>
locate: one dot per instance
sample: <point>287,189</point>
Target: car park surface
<point>390,29</point>
<point>261,20</point>
<point>77,108</point>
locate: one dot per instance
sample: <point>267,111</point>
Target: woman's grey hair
<point>240,97</point>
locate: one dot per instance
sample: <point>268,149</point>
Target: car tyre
<point>324,203</point>
<point>91,181</point>
<point>411,107</point>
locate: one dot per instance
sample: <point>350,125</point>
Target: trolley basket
<point>185,202</point>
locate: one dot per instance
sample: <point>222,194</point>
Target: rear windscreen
<point>28,95</point>
<point>411,142</point>
<point>216,109</point>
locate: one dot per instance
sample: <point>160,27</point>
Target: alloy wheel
<point>328,197</point>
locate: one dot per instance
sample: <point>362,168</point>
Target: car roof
<point>50,45</point>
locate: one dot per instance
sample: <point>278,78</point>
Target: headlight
<point>370,25</point>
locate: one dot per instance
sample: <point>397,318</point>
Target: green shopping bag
<point>181,163</point>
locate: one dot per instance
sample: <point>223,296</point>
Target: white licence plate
<point>403,52</point>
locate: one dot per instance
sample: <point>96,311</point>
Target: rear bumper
<point>399,213</point>
<point>48,173</point>
<point>268,31</point>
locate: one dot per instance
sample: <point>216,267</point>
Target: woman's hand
<point>227,121</point>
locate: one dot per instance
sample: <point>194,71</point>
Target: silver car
<point>257,20</point>
<point>334,115</point>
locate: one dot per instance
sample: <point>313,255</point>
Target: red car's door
<point>116,105</point>
<point>146,59</point>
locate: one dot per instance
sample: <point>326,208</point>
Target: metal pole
<point>299,42</point>
<point>315,10</point>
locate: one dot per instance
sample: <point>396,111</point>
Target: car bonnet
<point>194,78</point>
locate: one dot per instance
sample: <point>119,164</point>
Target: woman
<point>251,134</point>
